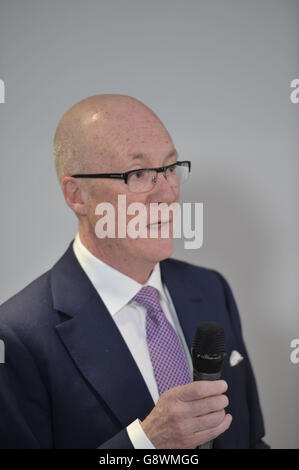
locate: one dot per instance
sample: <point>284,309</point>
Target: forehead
<point>122,145</point>
<point>141,157</point>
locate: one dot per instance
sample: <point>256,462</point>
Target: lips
<point>160,223</point>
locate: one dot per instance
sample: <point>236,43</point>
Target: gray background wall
<point>218,74</point>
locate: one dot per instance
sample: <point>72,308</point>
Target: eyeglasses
<point>144,179</point>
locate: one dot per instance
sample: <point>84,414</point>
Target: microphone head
<point>208,349</point>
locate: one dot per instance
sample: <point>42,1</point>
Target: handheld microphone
<point>208,352</point>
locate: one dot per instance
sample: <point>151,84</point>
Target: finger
<point>207,405</point>
<point>200,389</point>
<point>210,434</point>
<point>209,421</point>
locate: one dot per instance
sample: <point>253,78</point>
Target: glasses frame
<point>124,176</point>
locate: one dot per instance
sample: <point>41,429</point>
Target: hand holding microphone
<point>208,353</point>
<point>192,415</point>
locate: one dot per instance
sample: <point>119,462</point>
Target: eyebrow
<point>142,156</point>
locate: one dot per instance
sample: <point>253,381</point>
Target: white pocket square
<point>235,358</point>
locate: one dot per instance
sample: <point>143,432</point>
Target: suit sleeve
<point>120,441</point>
<point>24,404</point>
<point>257,429</point>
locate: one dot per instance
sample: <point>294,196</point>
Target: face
<point>145,144</point>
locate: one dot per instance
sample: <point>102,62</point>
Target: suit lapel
<point>95,343</point>
<point>188,300</point>
<point>193,300</point>
<point>192,297</point>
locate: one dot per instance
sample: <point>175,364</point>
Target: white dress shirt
<point>116,291</point>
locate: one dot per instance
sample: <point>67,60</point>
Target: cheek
<point>131,207</point>
<point>100,194</point>
<point>113,206</point>
<point>177,194</point>
<point>99,205</point>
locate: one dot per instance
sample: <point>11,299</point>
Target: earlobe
<point>73,195</point>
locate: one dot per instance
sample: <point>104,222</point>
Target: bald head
<point>96,128</point>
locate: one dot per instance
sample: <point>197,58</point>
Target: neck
<point>139,270</point>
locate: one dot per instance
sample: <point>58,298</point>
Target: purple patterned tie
<point>166,352</point>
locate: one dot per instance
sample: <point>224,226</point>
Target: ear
<point>74,195</point>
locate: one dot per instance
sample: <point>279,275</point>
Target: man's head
<point>114,134</point>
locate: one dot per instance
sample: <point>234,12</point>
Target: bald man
<point>98,348</point>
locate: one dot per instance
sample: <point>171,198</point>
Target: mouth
<point>158,224</point>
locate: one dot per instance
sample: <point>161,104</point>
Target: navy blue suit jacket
<point>69,380</point>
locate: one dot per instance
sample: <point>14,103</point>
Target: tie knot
<point>148,297</point>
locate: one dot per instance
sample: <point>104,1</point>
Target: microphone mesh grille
<point>209,339</point>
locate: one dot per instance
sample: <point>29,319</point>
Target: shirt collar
<point>115,288</point>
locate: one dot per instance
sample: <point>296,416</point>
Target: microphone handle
<point>205,376</point>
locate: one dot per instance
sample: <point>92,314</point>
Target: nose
<point>162,191</point>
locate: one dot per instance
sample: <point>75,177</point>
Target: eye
<point>172,169</point>
<point>137,174</point>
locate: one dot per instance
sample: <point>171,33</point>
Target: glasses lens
<point>141,181</point>
<point>177,174</point>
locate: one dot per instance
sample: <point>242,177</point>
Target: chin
<point>158,249</point>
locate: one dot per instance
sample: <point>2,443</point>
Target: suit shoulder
<point>186,268</point>
<point>208,280</point>
<point>29,305</point>
<point>210,283</point>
